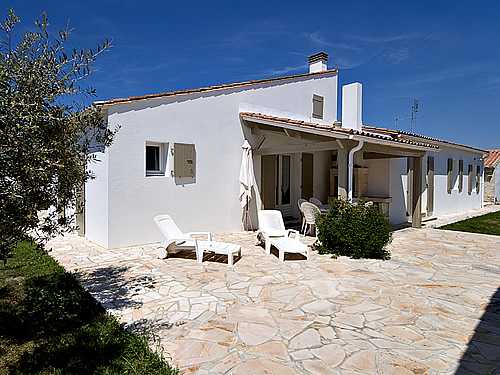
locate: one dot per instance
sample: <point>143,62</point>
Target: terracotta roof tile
<point>214,88</point>
<point>401,133</point>
<point>492,158</point>
<point>334,128</point>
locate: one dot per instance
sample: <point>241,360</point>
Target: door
<point>430,185</point>
<point>268,178</point>
<point>307,175</point>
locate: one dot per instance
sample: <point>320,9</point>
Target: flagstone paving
<point>425,311</point>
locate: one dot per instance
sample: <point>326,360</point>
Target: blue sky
<point>444,53</point>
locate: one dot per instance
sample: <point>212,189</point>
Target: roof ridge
<point>212,87</point>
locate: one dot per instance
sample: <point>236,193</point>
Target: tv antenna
<point>413,114</point>
<point>396,121</point>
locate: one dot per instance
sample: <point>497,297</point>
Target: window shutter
<point>184,160</point>
<point>461,175</point>
<point>450,175</point>
<point>318,102</point>
<point>469,179</point>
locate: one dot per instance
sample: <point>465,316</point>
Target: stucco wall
<point>444,203</point>
<point>209,121</point>
<point>455,202</point>
<point>378,177</point>
<point>397,190</point>
<point>96,201</point>
<point>321,175</point>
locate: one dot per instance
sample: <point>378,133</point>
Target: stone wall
<point>489,185</point>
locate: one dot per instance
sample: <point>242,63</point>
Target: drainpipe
<point>350,168</point>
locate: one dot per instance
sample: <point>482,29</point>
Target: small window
<point>317,106</point>
<point>460,175</point>
<point>153,158</point>
<point>184,160</point>
<point>155,155</point>
<point>450,175</point>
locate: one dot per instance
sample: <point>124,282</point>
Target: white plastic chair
<point>272,229</point>
<point>322,207</point>
<point>310,211</point>
<point>316,201</point>
<point>175,240</point>
<point>303,222</point>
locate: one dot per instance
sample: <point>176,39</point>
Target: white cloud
<point>384,39</point>
<point>317,38</point>
<point>286,69</point>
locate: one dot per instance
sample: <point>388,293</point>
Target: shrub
<point>353,230</point>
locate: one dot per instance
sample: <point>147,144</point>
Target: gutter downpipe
<point>350,167</point>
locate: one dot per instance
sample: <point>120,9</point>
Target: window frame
<point>161,159</point>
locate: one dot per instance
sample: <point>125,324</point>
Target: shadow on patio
<point>483,350</point>
<point>115,287</point>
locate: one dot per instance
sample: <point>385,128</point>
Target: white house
<point>180,153</point>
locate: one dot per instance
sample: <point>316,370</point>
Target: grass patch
<point>50,325</point>
<point>486,224</point>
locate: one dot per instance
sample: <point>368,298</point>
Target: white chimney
<point>318,62</point>
<point>352,106</point>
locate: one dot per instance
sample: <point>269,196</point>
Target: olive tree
<point>46,130</point>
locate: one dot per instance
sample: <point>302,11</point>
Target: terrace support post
<point>342,167</point>
<point>416,196</point>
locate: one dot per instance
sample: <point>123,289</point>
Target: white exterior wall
<point>455,202</point>
<point>444,203</point>
<point>211,122</point>
<point>397,192</point>
<point>378,177</point>
<point>96,201</point>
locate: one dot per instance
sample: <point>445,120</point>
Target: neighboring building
<point>180,153</point>
<point>492,177</point>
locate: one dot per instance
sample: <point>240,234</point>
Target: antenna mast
<point>413,114</point>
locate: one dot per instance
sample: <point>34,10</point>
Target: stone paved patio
<point>428,310</point>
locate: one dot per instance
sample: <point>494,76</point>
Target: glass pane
<point>152,158</point>
<point>285,180</point>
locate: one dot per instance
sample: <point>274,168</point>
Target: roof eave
<point>222,87</point>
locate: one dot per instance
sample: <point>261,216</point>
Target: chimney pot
<point>318,62</point>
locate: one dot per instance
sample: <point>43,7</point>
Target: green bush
<point>353,230</point>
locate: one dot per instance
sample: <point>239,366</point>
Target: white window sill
<point>155,174</point>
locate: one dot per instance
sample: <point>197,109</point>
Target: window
<point>285,179</point>
<point>282,192</point>
<point>317,106</point>
<point>478,178</point>
<point>450,175</point>
<point>460,175</point>
<point>184,160</point>
<point>153,159</point>
<point>469,179</point>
